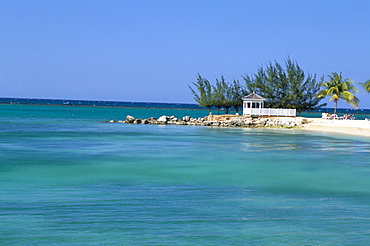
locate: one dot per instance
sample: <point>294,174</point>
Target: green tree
<point>236,94</point>
<point>219,95</point>
<point>338,88</point>
<point>285,86</point>
<point>366,85</point>
<point>302,89</point>
<point>204,95</point>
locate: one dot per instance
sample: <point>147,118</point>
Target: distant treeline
<point>94,103</point>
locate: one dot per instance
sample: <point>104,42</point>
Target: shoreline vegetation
<point>281,86</point>
<point>347,127</point>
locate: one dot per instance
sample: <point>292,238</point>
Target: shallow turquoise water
<point>68,178</point>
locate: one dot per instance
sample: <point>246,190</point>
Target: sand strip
<point>350,127</point>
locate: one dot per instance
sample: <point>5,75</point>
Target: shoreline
<point>344,127</point>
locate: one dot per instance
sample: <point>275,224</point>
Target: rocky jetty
<point>220,121</point>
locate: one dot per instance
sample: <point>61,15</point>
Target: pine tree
<point>285,87</point>
<point>204,95</point>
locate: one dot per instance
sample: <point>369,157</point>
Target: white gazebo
<point>253,104</point>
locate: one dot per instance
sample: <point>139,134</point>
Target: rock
<point>236,120</point>
<point>304,121</point>
<point>220,121</point>
<point>130,119</point>
<point>186,118</point>
<point>248,122</point>
<point>162,119</point>
<point>258,122</point>
<point>181,122</point>
<point>216,123</point>
<point>152,120</point>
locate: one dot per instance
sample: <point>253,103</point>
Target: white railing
<point>269,111</point>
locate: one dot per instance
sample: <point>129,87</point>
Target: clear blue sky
<point>146,50</point>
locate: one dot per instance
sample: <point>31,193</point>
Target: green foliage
<point>221,95</point>
<point>338,88</point>
<point>366,85</point>
<point>236,92</point>
<point>204,95</point>
<point>285,87</point>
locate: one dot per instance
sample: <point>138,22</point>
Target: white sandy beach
<point>351,127</point>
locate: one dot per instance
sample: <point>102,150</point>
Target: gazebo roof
<point>253,97</point>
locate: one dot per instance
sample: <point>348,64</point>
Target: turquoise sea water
<point>67,178</point>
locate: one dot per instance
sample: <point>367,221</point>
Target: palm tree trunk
<point>335,107</point>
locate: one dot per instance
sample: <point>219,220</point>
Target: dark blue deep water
<point>68,178</point>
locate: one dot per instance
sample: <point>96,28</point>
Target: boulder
<point>137,121</point>
<point>186,118</point>
<point>130,119</point>
<point>236,120</point>
<point>248,122</point>
<point>162,119</point>
<point>152,120</point>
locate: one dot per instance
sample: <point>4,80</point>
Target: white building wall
<point>269,111</point>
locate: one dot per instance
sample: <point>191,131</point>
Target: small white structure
<point>253,104</point>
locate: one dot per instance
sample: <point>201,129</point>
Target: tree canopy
<point>338,88</point>
<point>285,86</point>
<point>366,85</point>
<point>222,94</point>
<point>204,95</point>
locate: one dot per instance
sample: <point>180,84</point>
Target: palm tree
<point>366,85</point>
<point>339,88</point>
